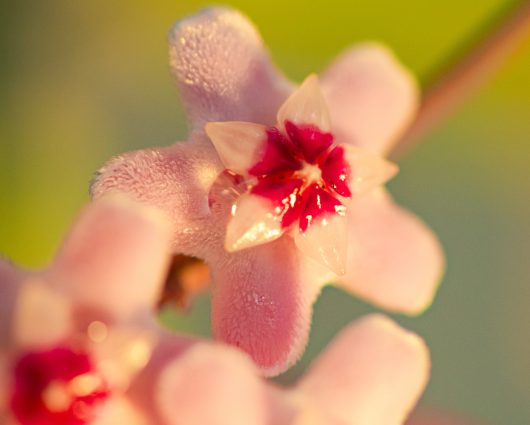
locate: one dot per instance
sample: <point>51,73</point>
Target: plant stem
<point>466,72</point>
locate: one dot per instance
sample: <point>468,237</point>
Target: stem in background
<point>471,68</point>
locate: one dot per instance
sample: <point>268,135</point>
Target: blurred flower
<point>263,295</point>
<point>111,268</point>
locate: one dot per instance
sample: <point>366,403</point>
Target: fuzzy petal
<point>114,258</point>
<point>238,144</point>
<point>213,385</point>
<point>262,302</point>
<point>371,97</point>
<point>394,260</point>
<point>372,374</point>
<point>176,180</point>
<point>306,106</point>
<point>10,284</point>
<point>223,71</point>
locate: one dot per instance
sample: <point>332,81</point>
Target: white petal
<point>368,170</point>
<point>253,222</point>
<point>238,144</point>
<point>325,241</point>
<point>306,106</point>
<point>42,317</point>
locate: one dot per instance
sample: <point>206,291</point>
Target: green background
<point>81,81</point>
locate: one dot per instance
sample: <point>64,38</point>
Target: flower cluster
<point>80,346</point>
<point>279,189</point>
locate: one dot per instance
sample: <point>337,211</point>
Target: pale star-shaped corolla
<point>268,268</point>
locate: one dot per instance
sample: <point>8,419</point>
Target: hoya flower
<point>279,189</point>
<point>71,341</point>
<point>55,369</point>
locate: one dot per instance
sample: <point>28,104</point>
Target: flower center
<point>310,174</point>
<point>56,386</point>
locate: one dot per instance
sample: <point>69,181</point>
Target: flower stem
<point>471,67</point>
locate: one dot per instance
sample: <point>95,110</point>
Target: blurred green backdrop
<point>81,81</point>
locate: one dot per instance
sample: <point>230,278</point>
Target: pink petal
<point>372,374</point>
<point>213,385</point>
<point>306,106</point>
<point>371,97</point>
<point>394,260</point>
<point>238,144</point>
<point>254,222</point>
<point>42,316</point>
<point>262,302</point>
<point>114,258</point>
<point>176,180</point>
<point>10,284</point>
<point>223,71</point>
<point>325,241</point>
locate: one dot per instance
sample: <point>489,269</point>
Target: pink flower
<point>71,340</point>
<point>111,267</point>
<point>292,191</point>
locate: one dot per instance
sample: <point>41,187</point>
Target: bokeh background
<point>82,81</point>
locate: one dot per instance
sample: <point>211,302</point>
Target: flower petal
<point>326,242</point>
<point>253,223</point>
<point>114,258</point>
<point>372,374</point>
<point>10,284</point>
<point>350,170</point>
<point>371,97</point>
<point>262,302</point>
<point>238,144</point>
<point>306,106</point>
<point>394,260</point>
<point>42,316</point>
<point>176,180</point>
<point>210,384</point>
<point>223,71</point>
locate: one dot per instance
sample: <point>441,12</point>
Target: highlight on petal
<point>253,222</point>
<point>114,258</point>
<point>394,259</point>
<point>42,316</point>
<point>238,144</point>
<point>371,97</point>
<point>372,374</point>
<point>368,171</point>
<point>306,106</point>
<point>326,241</point>
<point>213,385</point>
<point>223,71</point>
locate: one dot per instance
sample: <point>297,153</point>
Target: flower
<point>298,177</point>
<point>263,295</point>
<point>112,265</point>
<point>71,341</point>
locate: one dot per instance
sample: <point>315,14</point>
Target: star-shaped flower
<point>65,359</point>
<point>278,194</point>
